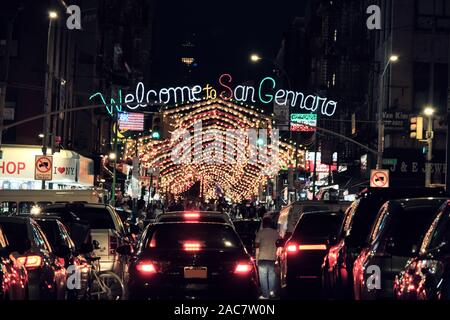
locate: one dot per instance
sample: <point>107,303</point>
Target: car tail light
<point>243,268</point>
<point>30,262</point>
<point>312,247</point>
<point>191,246</point>
<point>192,215</point>
<point>292,247</point>
<point>146,267</point>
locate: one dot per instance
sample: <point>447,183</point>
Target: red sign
<point>43,168</point>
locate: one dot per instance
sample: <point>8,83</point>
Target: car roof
<point>192,223</point>
<point>14,219</point>
<point>76,205</point>
<point>403,192</point>
<point>414,202</point>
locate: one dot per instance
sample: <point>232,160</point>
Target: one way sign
<point>379,178</point>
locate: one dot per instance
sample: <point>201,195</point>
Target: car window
<point>16,233</point>
<point>39,237</point>
<point>379,224</point>
<point>174,236</point>
<point>3,242</point>
<point>98,218</point>
<point>433,235</point>
<point>65,236</point>
<point>317,226</point>
<point>25,206</point>
<point>8,208</point>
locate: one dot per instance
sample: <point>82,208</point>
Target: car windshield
<point>16,233</point>
<point>206,236</point>
<point>98,218</point>
<point>317,225</point>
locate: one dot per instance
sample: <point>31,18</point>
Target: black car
<point>426,275</point>
<point>46,273</point>
<point>61,242</point>
<point>302,255</point>
<point>395,237</point>
<point>13,275</point>
<point>191,260</point>
<point>247,230</point>
<point>337,267</point>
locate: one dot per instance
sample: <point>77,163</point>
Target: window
<point>432,14</point>
<point>8,208</point>
<point>39,237</point>
<point>421,84</point>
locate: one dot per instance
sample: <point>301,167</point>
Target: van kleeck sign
<point>264,93</point>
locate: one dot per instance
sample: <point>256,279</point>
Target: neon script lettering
<point>264,93</point>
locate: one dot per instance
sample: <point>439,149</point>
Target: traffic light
<point>416,127</point>
<point>156,126</point>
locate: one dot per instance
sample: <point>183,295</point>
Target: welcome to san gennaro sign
<point>264,93</point>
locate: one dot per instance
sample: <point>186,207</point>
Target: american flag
<point>131,121</point>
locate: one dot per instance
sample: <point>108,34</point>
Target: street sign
<point>43,168</point>
<point>379,178</point>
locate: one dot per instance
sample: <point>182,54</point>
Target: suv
<point>106,228</point>
<point>337,268</point>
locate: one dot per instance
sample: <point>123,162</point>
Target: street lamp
<point>392,59</point>
<point>52,15</point>
<point>429,111</point>
<point>255,58</point>
<point>112,156</point>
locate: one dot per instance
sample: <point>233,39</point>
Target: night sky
<point>224,33</point>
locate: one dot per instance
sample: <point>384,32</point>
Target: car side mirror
<point>280,243</point>
<point>124,250</point>
<point>96,244</point>
<point>63,251</point>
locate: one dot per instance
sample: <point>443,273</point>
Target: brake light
<point>312,247</point>
<point>191,215</point>
<point>243,268</point>
<point>292,248</point>
<point>30,262</point>
<point>146,267</point>
<point>191,246</point>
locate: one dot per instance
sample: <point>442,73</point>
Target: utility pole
<point>447,150</point>
<point>115,132</point>
<point>315,166</point>
<point>430,134</point>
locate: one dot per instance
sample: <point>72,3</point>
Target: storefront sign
<point>264,93</point>
<point>303,122</point>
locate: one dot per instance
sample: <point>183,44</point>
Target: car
<point>206,216</point>
<point>395,237</point>
<point>13,275</point>
<point>302,255</point>
<point>425,275</point>
<point>191,260</point>
<point>289,215</point>
<point>106,228</point>
<point>337,268</point>
<point>247,229</point>
<point>46,273</point>
<point>60,240</point>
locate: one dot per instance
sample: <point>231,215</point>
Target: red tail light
<point>191,215</point>
<point>146,267</point>
<point>191,246</point>
<point>243,268</point>
<point>292,248</point>
<point>30,262</point>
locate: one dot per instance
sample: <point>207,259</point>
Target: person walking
<point>266,255</point>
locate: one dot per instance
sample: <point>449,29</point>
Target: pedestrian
<point>266,255</point>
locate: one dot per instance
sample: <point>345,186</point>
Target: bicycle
<point>102,285</point>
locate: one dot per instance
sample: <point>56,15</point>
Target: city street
<point>244,153</point>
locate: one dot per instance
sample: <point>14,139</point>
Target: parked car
<point>46,273</point>
<point>191,260</point>
<point>337,268</point>
<point>395,237</point>
<point>302,255</point>
<point>425,276</point>
<point>106,228</point>
<point>60,240</point>
<point>247,229</point>
<point>13,275</point>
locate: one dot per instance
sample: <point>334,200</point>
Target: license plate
<point>195,272</point>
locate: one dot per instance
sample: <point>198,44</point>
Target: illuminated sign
<point>303,122</point>
<point>131,121</point>
<point>264,93</point>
